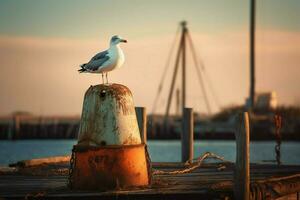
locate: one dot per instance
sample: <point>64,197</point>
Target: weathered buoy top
<point>108,117</point>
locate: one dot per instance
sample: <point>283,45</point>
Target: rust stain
<point>117,92</point>
<point>130,140</point>
<point>110,167</point>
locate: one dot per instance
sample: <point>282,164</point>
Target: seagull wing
<point>97,61</point>
<point>100,55</point>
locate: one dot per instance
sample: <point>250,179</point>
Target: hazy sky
<point>42,43</point>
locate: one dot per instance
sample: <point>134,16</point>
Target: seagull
<point>107,60</point>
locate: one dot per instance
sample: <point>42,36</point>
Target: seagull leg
<point>102,78</point>
<point>106,78</point>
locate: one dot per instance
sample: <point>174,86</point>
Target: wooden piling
<point>242,169</point>
<point>187,136</point>
<point>142,122</point>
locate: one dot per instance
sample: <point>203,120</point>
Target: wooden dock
<point>210,181</point>
<point>48,178</point>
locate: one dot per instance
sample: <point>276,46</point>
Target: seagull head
<point>116,40</point>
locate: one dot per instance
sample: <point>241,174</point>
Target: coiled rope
<point>192,166</point>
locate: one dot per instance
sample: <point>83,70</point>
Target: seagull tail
<point>82,68</point>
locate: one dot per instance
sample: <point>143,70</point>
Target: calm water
<point>12,151</point>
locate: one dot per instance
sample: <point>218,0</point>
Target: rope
<point>165,71</point>
<point>193,166</point>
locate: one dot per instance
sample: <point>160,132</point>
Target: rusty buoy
<point>109,153</point>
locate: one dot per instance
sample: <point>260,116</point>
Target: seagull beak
<point>125,41</point>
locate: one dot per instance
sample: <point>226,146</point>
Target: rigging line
<point>165,70</point>
<point>199,74</point>
<point>210,85</point>
<point>174,78</point>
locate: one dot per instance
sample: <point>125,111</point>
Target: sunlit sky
<point>42,43</point>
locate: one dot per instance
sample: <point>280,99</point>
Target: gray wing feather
<point>97,61</point>
<point>100,55</point>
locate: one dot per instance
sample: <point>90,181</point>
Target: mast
<point>183,97</point>
<point>178,103</point>
<point>181,52</point>
<point>252,55</point>
<point>181,62</point>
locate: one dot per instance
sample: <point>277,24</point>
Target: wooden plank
<point>41,161</point>
<point>203,183</point>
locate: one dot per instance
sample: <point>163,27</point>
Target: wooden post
<point>242,169</point>
<point>187,136</point>
<point>142,122</point>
